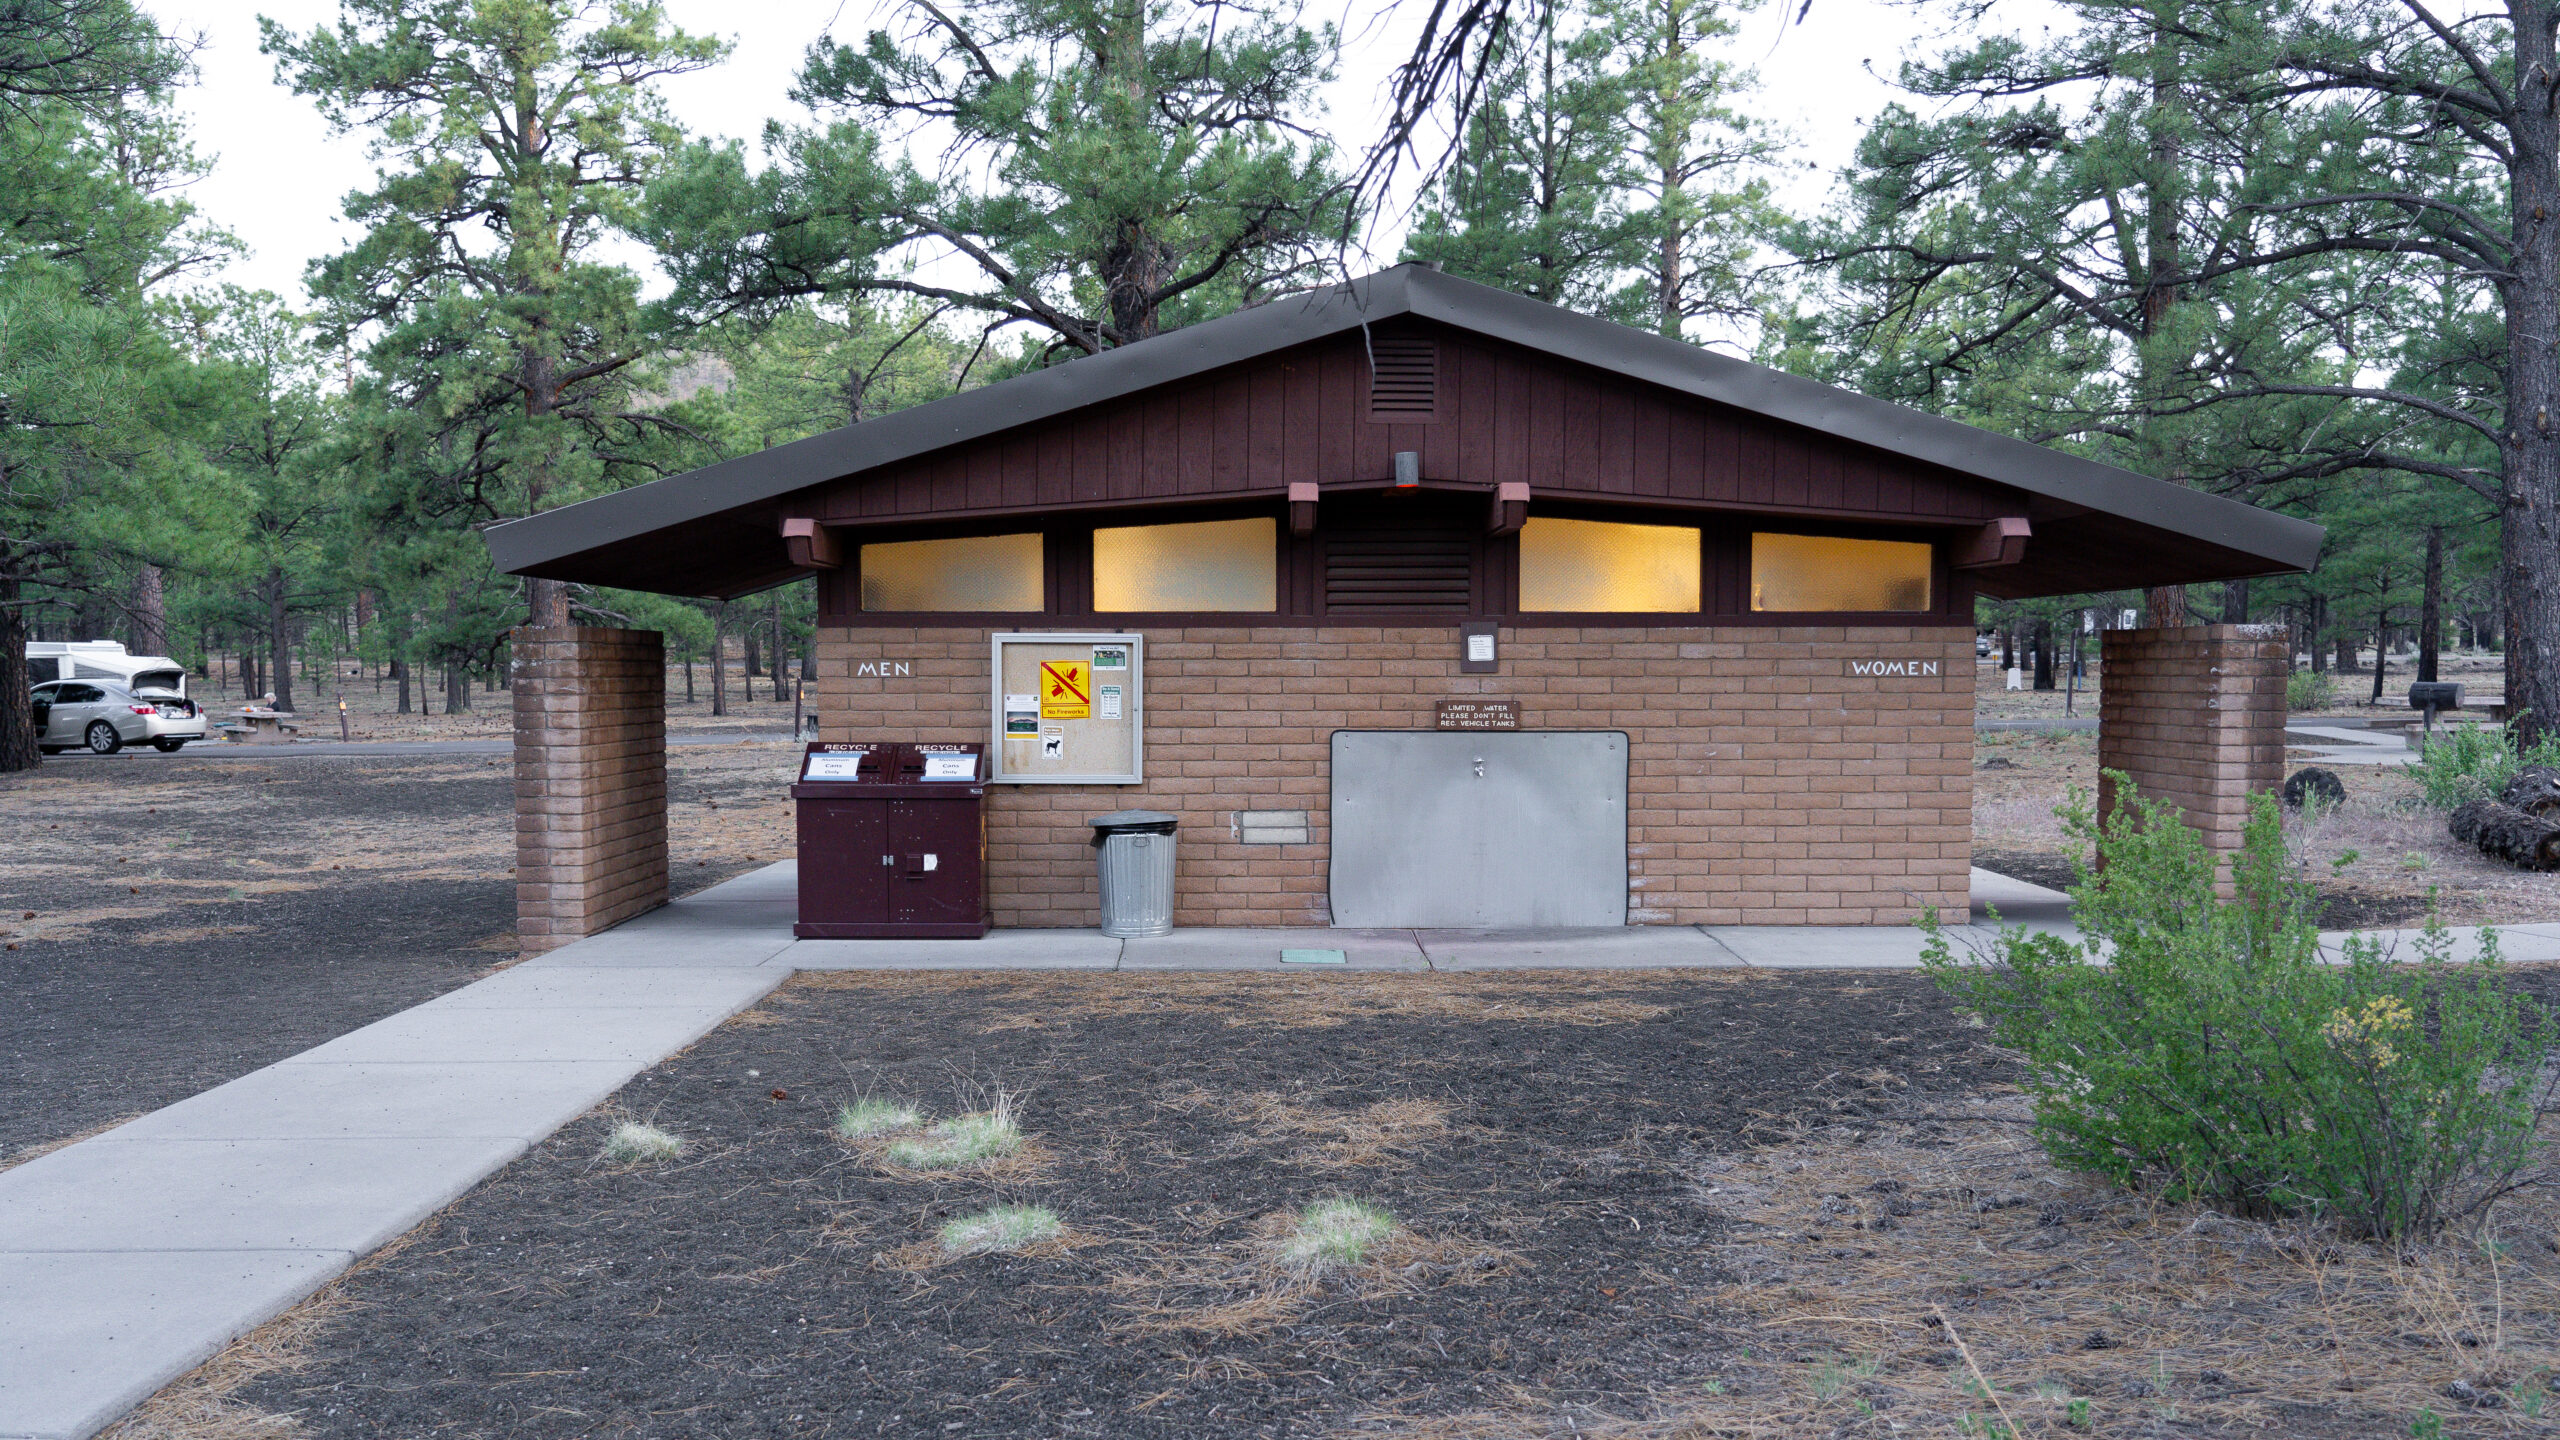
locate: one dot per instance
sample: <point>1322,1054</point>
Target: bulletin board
<point>1068,710</point>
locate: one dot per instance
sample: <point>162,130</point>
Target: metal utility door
<point>935,877</point>
<point>1479,830</point>
<point>844,860</point>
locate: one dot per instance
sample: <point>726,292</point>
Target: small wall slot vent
<point>1404,378</point>
<point>1398,571</point>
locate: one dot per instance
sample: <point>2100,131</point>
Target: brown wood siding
<point>1504,414</point>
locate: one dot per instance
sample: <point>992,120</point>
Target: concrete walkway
<point>129,1258</point>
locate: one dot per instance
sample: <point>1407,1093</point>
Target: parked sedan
<point>105,717</point>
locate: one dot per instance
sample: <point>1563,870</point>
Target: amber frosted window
<point>1603,565</point>
<point>1825,572</point>
<point>978,572</point>
<point>1213,565</point>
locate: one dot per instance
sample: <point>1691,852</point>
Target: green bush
<point>2205,1047</point>
<point>2308,690</point>
<point>2474,762</point>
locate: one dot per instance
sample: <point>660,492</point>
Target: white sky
<point>279,177</point>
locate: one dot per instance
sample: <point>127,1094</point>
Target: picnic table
<point>259,725</point>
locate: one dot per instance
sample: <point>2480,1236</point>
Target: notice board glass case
<point>1068,709</point>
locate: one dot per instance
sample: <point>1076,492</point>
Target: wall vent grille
<point>1404,378</point>
<point>1399,570</point>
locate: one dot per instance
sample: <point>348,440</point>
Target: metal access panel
<point>1515,830</point>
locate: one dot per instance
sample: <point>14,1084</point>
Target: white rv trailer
<point>102,660</point>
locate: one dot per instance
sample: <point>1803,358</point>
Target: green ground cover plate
<point>1313,957</point>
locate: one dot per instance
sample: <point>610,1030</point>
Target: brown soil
<point>1631,1205</point>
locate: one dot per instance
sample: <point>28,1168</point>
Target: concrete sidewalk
<point>129,1258</point>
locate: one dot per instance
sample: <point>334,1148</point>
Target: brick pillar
<point>2195,716</point>
<point>591,781</point>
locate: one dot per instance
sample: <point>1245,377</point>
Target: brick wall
<point>1768,783</point>
<point>591,781</point>
<point>2195,715</point>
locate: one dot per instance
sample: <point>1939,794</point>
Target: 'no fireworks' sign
<point>1066,689</point>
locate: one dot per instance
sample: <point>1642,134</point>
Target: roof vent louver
<point>1404,378</point>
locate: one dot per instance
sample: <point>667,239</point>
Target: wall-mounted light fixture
<point>1477,652</point>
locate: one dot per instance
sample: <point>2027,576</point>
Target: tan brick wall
<point>2196,716</point>
<point>591,781</point>
<point>1767,784</point>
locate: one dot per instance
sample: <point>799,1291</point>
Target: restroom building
<point>1420,604</point>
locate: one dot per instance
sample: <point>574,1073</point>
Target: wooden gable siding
<point>1504,414</point>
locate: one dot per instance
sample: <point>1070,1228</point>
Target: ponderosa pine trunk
<point>2529,512</point>
<point>719,665</point>
<point>150,612</point>
<point>18,747</point>
<point>2431,606</point>
<point>279,638</point>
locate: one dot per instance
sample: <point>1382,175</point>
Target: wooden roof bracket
<point>812,545</point>
<point>1510,508</point>
<point>1302,507</point>
<point>2000,542</point>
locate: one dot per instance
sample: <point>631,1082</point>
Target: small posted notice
<point>834,767</point>
<point>1478,715</point>
<point>951,767</point>
<point>1106,700</point>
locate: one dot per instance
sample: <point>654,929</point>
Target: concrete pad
<point>1822,947</point>
<point>2018,901</point>
<point>637,1035</point>
<point>349,1195</point>
<point>2523,945</point>
<point>85,1337</point>
<point>740,922</point>
<point>502,1100</point>
<point>1629,947</point>
<point>996,950</point>
<point>1212,948</point>
<point>588,987</point>
<point>706,949</point>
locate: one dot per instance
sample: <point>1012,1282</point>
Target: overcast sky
<point>279,177</point>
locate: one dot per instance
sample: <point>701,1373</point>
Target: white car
<point>105,717</point>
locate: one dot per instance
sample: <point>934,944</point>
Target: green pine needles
<point>2206,1046</point>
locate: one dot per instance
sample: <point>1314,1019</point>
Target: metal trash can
<point>1137,872</point>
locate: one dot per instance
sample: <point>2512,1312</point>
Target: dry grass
<point>1385,1133</point>
<point>1256,1284</point>
<point>1304,1002</point>
<point>1876,1277</point>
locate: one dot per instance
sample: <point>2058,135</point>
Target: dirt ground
<point>2373,860</point>
<point>169,923</point>
<point>372,713</point>
<point>1650,1206</point>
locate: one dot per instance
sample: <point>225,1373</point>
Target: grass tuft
<point>864,1119</point>
<point>962,1139</point>
<point>1339,1232</point>
<point>633,1142</point>
<point>1001,1228</point>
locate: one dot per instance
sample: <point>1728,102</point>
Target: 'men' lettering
<point>885,669</point>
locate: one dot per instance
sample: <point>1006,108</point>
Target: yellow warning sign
<point>1066,689</point>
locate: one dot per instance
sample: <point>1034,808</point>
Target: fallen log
<point>2503,832</point>
<point>2535,790</point>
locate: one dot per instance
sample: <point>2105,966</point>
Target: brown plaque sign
<point>1479,715</point>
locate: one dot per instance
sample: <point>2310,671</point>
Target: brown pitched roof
<point>713,531</point>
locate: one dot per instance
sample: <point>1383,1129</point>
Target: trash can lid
<point>1151,820</point>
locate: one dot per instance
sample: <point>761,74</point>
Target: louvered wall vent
<point>1404,378</point>
<point>1399,569</point>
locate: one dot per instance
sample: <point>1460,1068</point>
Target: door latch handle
<point>1479,767</point>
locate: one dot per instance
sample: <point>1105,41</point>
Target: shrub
<point>633,1142</point>
<point>2205,1046</point>
<point>1336,1232</point>
<point>962,1139</point>
<point>1002,1227</point>
<point>864,1119</point>
<point>2308,690</point>
<point>2474,762</point>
